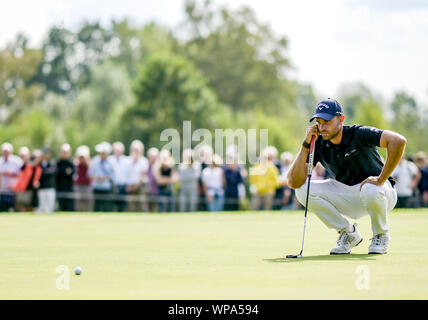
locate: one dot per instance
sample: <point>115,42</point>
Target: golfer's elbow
<point>402,142</point>
<point>295,186</point>
<point>399,142</point>
<point>293,182</point>
<point>393,141</point>
<point>397,146</point>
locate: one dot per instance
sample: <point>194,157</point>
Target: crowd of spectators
<point>113,181</point>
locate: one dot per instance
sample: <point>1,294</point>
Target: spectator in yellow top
<point>263,182</point>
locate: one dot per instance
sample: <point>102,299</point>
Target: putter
<point>311,162</point>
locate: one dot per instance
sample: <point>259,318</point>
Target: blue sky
<point>381,43</point>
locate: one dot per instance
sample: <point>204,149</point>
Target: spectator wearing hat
<point>214,182</point>
<point>46,193</point>
<point>137,177</point>
<point>189,171</point>
<point>122,167</point>
<point>151,188</point>
<point>82,182</point>
<point>10,166</point>
<point>102,174</point>
<point>166,176</point>
<point>423,182</point>
<point>64,179</point>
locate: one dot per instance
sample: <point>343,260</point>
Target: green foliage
<point>294,121</point>
<point>169,90</point>
<point>97,109</point>
<point>137,44</point>
<point>109,89</point>
<point>306,99</point>
<point>67,56</point>
<point>409,121</point>
<point>17,94</point>
<point>34,128</point>
<point>369,113</point>
<point>352,96</point>
<point>242,58</point>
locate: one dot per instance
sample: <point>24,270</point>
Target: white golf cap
<point>103,147</point>
<point>83,151</point>
<point>24,151</point>
<point>7,147</point>
<point>232,151</point>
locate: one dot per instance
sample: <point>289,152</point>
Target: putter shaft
<point>310,165</point>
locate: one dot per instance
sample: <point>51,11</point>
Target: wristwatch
<point>306,145</point>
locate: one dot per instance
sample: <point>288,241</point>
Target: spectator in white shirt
<point>10,166</point>
<point>122,167</point>
<point>189,172</point>
<point>101,173</point>
<point>407,176</point>
<point>214,181</point>
<point>139,165</point>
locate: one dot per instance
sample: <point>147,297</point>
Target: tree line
<point>219,68</point>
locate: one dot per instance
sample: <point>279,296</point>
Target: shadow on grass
<point>326,257</point>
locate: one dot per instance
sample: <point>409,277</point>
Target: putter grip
<point>311,156</point>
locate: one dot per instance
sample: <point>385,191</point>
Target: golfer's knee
<point>301,193</point>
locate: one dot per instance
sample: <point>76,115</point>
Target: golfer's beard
<point>333,135</point>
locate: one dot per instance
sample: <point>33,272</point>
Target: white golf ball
<point>77,270</point>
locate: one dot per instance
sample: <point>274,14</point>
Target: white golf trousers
<point>46,200</point>
<point>332,201</point>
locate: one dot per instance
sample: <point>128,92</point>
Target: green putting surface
<point>206,256</point>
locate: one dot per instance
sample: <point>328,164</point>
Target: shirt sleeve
<point>369,136</point>
<point>92,169</point>
<point>112,172</point>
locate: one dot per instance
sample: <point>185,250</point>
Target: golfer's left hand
<point>372,180</point>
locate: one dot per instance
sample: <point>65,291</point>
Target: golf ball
<point>77,270</point>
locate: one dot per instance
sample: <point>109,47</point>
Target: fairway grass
<point>206,256</point>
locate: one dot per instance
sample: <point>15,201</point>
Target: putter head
<point>294,256</point>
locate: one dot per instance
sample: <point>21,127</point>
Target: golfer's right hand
<point>312,131</point>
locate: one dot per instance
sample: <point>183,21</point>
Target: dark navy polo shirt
<point>355,158</point>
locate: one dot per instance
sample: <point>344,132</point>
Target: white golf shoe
<point>379,244</point>
<point>347,240</point>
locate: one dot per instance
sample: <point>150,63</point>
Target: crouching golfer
<point>360,183</point>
